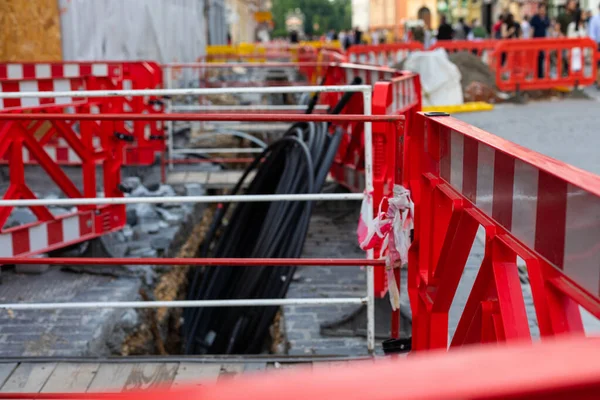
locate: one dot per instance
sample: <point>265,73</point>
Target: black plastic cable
<point>297,163</point>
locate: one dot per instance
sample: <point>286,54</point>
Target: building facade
<point>360,14</point>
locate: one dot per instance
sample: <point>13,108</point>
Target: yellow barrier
<point>461,108</point>
<point>224,53</point>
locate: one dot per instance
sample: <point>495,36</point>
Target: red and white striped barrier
<point>385,55</point>
<point>42,237</point>
<point>548,213</point>
<point>36,71</point>
<point>530,206</point>
<point>76,76</point>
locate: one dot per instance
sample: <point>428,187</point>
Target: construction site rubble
<point>477,80</point>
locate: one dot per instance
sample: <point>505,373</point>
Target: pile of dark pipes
<point>297,163</point>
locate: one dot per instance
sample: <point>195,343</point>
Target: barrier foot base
<point>354,323</point>
<point>518,98</point>
<point>395,346</point>
<point>577,93</point>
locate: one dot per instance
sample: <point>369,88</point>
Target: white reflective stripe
<point>52,152</point>
<point>72,156</point>
<point>524,203</point>
<point>70,227</point>
<point>71,70</point>
<point>42,71</point>
<point>1,100</point>
<point>14,71</point>
<point>100,69</point>
<point>456,160</point>
<point>373,58</point>
<point>363,75</point>
<point>582,230</point>
<point>6,245</point>
<point>485,178</point>
<point>29,86</point>
<point>38,237</point>
<point>349,76</point>
<point>62,85</point>
<point>24,155</point>
<point>374,77</point>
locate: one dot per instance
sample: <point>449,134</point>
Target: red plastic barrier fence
<point>545,63</point>
<point>383,54</point>
<point>69,76</point>
<point>530,205</point>
<point>395,93</point>
<point>51,232</point>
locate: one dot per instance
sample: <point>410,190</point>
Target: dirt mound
<point>472,69</point>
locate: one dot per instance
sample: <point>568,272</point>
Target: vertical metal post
<point>367,94</point>
<point>170,123</point>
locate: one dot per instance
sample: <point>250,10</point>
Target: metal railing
<point>367,119</point>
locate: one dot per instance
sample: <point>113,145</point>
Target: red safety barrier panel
<point>70,76</point>
<point>383,54</point>
<point>535,64</point>
<point>395,93</point>
<point>565,368</point>
<point>530,205</point>
<point>52,232</point>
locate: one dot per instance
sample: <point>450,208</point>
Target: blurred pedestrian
<point>477,31</point>
<point>539,25</point>
<point>375,37</point>
<point>357,35</point>
<point>461,30</point>
<point>445,31</point>
<point>294,36</point>
<point>510,29</point>
<point>525,28</point>
<point>594,32</point>
<point>497,28</point>
<point>576,30</point>
<point>568,16</point>
<point>342,39</point>
<point>348,40</point>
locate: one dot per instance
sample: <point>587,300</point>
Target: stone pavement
<point>152,231</point>
<point>332,233</point>
<point>567,130</point>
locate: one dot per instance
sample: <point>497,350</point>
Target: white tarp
<point>440,78</point>
<point>158,30</point>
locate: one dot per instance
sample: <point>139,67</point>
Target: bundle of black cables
<point>297,163</point>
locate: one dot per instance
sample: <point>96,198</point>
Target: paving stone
<point>33,268</point>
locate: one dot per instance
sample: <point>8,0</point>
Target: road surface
<point>568,130</point>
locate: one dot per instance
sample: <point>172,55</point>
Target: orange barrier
<point>383,54</point>
<point>536,64</point>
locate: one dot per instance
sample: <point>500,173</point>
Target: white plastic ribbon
<point>398,219</point>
